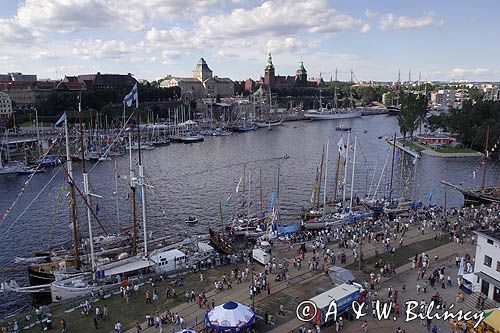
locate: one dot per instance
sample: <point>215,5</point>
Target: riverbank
<point>416,149</point>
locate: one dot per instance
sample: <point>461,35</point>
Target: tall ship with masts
<point>331,113</point>
<point>484,194</point>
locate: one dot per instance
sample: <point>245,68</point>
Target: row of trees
<point>472,124</point>
<point>58,102</point>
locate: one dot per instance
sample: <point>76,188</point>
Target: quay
<point>303,283</point>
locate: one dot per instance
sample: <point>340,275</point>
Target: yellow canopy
<point>492,318</point>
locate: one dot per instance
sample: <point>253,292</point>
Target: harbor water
<point>192,179</point>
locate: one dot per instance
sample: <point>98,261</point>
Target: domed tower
<point>202,71</point>
<point>301,75</point>
<point>269,71</point>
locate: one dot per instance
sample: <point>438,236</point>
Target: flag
<point>473,174</point>
<point>229,199</point>
<point>340,144</point>
<point>132,96</point>
<point>238,186</point>
<point>430,197</point>
<point>63,118</point>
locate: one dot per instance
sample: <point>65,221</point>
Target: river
<point>192,180</point>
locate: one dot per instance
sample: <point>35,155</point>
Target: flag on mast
<point>238,186</point>
<point>342,150</point>
<point>63,118</point>
<point>133,95</point>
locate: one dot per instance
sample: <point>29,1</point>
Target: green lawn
<point>450,150</point>
<point>401,256</point>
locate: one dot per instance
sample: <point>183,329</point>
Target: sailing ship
<point>220,242</point>
<point>271,118</point>
<point>329,113</point>
<point>484,194</point>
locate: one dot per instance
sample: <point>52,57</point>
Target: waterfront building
<point>445,99</point>
<point>26,94</point>
<point>435,140</point>
<point>16,76</point>
<point>492,93</point>
<point>107,81</point>
<point>487,264</point>
<point>202,84</point>
<point>270,79</point>
<point>5,106</point>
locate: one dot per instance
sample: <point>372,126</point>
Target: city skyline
<point>153,38</point>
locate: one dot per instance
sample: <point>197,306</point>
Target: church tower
<point>301,75</point>
<point>269,71</point>
<point>202,71</point>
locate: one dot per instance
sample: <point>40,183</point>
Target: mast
<point>133,189</point>
<point>72,191</point>
<point>86,191</point>
<point>221,218</point>
<point>392,166</point>
<point>351,105</point>
<point>485,158</point>
<point>261,201</point>
<point>326,177</point>
<point>335,98</point>
<point>249,217</point>
<point>37,134</point>
<point>353,168</point>
<point>320,177</point>
<point>116,198</point>
<point>345,170</point>
<point>336,179</point>
<point>244,181</point>
<point>143,186</point>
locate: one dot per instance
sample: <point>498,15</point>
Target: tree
<point>413,111</point>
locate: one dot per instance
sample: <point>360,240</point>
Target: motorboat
<point>343,128</point>
<point>191,220</point>
<point>192,138</point>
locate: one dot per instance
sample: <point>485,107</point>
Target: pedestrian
<point>364,326</point>
<point>138,327</point>
<point>96,323</point>
<point>148,297</point>
<point>213,303</point>
<point>281,311</point>
<point>105,312</point>
<point>63,326</point>
<point>118,327</point>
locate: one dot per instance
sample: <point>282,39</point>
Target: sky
<point>438,40</point>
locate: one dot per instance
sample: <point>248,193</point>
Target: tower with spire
<point>202,71</point>
<point>269,75</point>
<point>301,75</point>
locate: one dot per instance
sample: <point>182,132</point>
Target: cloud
<point>390,21</point>
<point>43,55</point>
<point>289,45</point>
<point>169,57</point>
<point>103,49</point>
<point>65,15</point>
<point>277,18</point>
<point>11,33</point>
<point>470,71</point>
